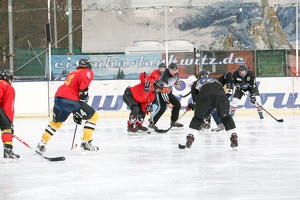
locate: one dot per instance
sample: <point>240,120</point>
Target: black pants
<point>221,103</point>
<point>5,123</point>
<point>162,107</point>
<point>133,105</point>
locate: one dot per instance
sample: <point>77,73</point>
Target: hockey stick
<point>166,130</point>
<point>278,120</point>
<point>61,158</point>
<point>72,147</point>
<point>183,96</point>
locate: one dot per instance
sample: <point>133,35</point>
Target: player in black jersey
<point>209,93</point>
<point>244,80</point>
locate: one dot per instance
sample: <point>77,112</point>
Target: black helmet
<point>158,84</point>
<point>84,63</point>
<point>6,75</point>
<point>173,66</point>
<point>203,74</point>
<point>162,65</point>
<point>242,68</point>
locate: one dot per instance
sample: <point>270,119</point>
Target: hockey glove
<point>77,119</point>
<point>83,94</point>
<point>253,98</point>
<point>228,92</point>
<point>190,106</point>
<point>149,108</point>
<point>238,87</point>
<point>205,123</point>
<point>178,83</point>
<point>147,87</point>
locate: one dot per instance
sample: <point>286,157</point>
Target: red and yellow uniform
<point>77,80</point>
<point>7,99</point>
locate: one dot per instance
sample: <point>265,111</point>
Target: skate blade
<point>234,148</point>
<point>177,128</point>
<point>10,160</point>
<point>84,152</point>
<point>132,133</point>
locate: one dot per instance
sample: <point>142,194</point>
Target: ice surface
<point>150,166</point>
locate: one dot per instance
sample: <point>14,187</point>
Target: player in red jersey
<point>69,98</point>
<point>155,75</point>
<point>139,98</point>
<point>7,110</point>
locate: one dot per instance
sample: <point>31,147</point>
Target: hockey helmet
<point>6,75</point>
<point>158,84</point>
<point>173,66</point>
<point>190,80</point>
<point>242,68</point>
<point>162,65</point>
<point>84,63</point>
<point>203,74</point>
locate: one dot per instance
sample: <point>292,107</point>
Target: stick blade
<point>55,159</point>
<point>280,120</point>
<point>162,130</point>
<point>180,146</point>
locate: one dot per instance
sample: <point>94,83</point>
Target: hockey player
<point>139,98</point>
<point>226,81</point>
<point>244,80</point>
<point>70,98</point>
<point>155,75</point>
<point>7,100</point>
<point>209,93</point>
<point>166,98</point>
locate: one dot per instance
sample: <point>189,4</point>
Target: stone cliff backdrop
<point>112,26</point>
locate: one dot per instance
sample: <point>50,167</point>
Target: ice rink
<point>150,166</point>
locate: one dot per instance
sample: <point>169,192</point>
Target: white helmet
<point>190,80</point>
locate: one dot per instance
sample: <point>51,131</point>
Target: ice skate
<point>177,125</point>
<point>220,127</point>
<point>41,147</point>
<point>189,140</point>
<point>9,155</point>
<point>234,141</point>
<point>86,146</point>
<point>140,127</point>
<point>152,126</point>
<point>131,127</point>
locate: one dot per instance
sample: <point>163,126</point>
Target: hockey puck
<point>149,132</point>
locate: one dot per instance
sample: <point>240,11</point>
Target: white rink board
<point>36,98</point>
